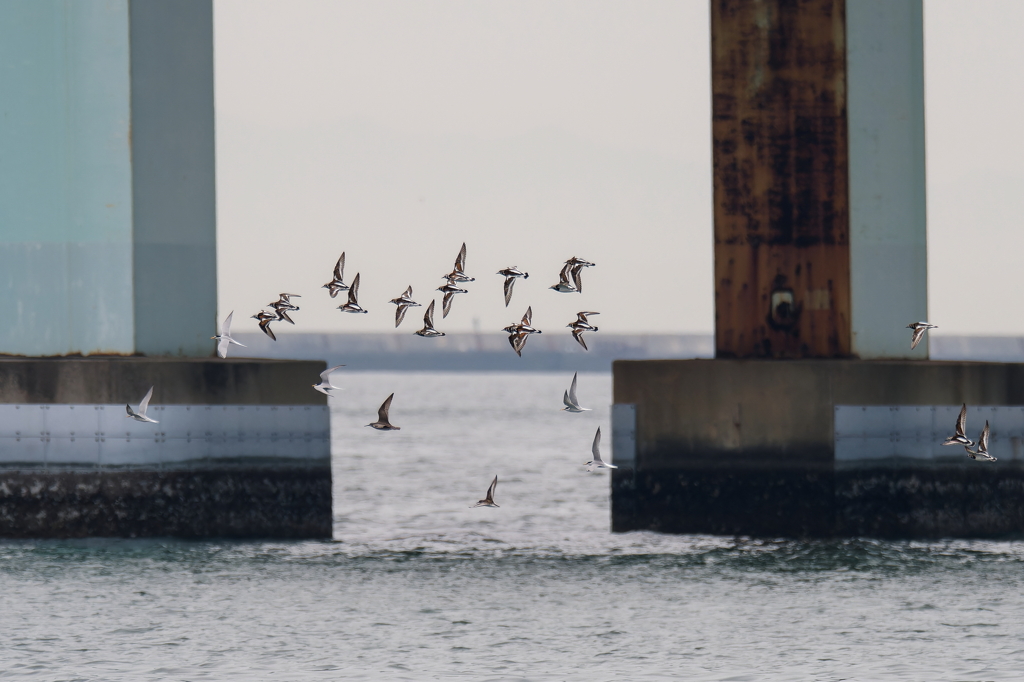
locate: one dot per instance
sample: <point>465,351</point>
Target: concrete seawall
<point>242,449</point>
<point>816,448</point>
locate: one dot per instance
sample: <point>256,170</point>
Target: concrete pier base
<point>242,449</point>
<point>816,448</point>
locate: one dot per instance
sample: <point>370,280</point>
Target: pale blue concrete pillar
<point>888,232</point>
<point>107,193</point>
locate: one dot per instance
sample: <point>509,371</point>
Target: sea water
<point>416,585</point>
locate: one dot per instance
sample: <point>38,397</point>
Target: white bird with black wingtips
<point>325,386</point>
<point>569,399</point>
<point>597,462</point>
<point>140,416</point>
<point>224,338</point>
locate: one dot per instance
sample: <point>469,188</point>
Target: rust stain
<point>782,264</point>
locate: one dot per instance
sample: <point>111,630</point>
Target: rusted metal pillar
<point>781,197</point>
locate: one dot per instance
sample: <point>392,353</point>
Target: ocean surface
<point>417,586</point>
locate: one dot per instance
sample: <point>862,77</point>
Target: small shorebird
<point>960,437</point>
<point>526,326</point>
<point>224,338</point>
<point>404,302</point>
<point>459,273</point>
<point>325,386</point>
<point>353,299</point>
<point>338,283</point>
<point>516,338</point>
<point>569,399</point>
<point>597,462</point>
<point>564,286</point>
<point>982,451</point>
<point>576,266</point>
<point>140,416</point>
<point>382,423</point>
<point>449,290</point>
<point>282,305</point>
<point>489,500</point>
<point>919,329</point>
<point>510,275</point>
<point>428,324</point>
<point>581,325</point>
<point>265,319</point>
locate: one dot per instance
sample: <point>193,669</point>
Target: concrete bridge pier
<point>108,256</point>
<point>817,418</point>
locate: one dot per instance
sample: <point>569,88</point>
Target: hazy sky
<point>539,130</point>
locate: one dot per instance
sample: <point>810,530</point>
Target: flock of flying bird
<point>960,437</point>
<point>569,281</point>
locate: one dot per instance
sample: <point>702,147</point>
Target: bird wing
<point>961,422</point>
<point>572,390</point>
<point>984,439</point>
<point>265,326</point>
<point>222,346</point>
<point>566,400</point>
<point>528,317</point>
<point>225,329</point>
<point>325,375</point>
<point>339,268</point>
<point>400,314</point>
<point>490,489</point>
<point>382,413</point>
<point>576,279</point>
<point>408,293</point>
<point>353,292</point>
<point>578,335</point>
<point>563,276</point>
<point>596,448</point>
<point>460,260</point>
<point>428,317</point>
<point>145,401</point>
<point>446,304</point>
<point>521,342</point>
<point>918,335</point>
<point>509,281</point>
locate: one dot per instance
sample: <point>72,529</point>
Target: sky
<point>539,130</point>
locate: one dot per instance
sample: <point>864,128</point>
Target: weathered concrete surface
<point>781,207</point>
<point>747,447</point>
<point>704,414</point>
<point>177,381</point>
<point>278,493</point>
<point>252,502</point>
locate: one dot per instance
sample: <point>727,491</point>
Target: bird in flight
<point>449,290</point>
<point>576,266</point>
<point>489,500</point>
<point>458,274</point>
<point>282,305</point>
<point>140,416</point>
<point>597,462</point>
<point>581,325</point>
<point>569,399</point>
<point>265,319</point>
<point>325,386</point>
<point>353,299</point>
<point>510,275</point>
<point>919,329</point>
<point>382,423</point>
<point>982,451</point>
<point>428,324</point>
<point>518,333</point>
<point>960,437</point>
<point>564,286</point>
<point>404,302</point>
<point>224,338</point>
<point>338,283</point>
